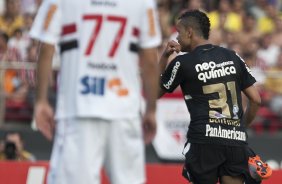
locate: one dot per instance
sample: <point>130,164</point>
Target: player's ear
<point>189,32</point>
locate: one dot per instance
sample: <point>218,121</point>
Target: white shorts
<point>83,146</point>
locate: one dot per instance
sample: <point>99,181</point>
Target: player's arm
<point>171,48</point>
<point>254,102</point>
<point>249,89</point>
<point>44,68</point>
<point>150,39</point>
<point>149,74</point>
<point>44,115</point>
<point>46,29</point>
<point>162,65</point>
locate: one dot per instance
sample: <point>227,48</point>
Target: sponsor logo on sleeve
<point>50,14</point>
<point>173,75</point>
<point>151,21</point>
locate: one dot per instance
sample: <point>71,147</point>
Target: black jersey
<point>211,79</point>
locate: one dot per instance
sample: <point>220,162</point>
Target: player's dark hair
<point>198,20</point>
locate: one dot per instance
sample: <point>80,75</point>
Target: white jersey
<point>99,42</point>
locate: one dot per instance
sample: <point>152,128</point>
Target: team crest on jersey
<point>235,111</point>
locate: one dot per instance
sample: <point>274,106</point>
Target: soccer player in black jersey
<point>211,79</point>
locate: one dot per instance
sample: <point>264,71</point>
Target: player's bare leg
<point>232,180</point>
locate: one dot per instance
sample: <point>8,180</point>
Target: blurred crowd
<point>253,28</point>
<point>16,18</point>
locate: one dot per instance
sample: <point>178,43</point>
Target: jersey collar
<point>204,47</point>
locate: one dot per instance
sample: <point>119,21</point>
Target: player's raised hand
<point>149,127</point>
<point>171,47</point>
<point>44,118</point>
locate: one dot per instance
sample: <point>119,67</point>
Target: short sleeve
<point>247,78</point>
<point>150,28</point>
<point>171,77</point>
<point>47,24</point>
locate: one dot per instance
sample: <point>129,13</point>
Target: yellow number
<point>221,102</point>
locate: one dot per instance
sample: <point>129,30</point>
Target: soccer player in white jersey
<point>98,107</point>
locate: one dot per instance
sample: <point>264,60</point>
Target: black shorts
<point>206,163</point>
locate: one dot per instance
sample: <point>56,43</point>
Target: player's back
<point>212,83</point>
<point>107,29</point>
<point>213,70</point>
<point>99,42</point>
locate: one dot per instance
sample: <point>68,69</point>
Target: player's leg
<point>235,166</point>
<point>125,160</point>
<point>78,152</point>
<point>232,180</point>
<point>202,162</point>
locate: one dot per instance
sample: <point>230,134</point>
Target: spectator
<point>258,8</point>
<point>14,86</point>
<point>14,148</point>
<point>2,7</point>
<point>273,84</point>
<point>236,46</point>
<point>277,34</point>
<point>32,56</point>
<point>29,6</point>
<point>216,36</point>
<point>19,42</point>
<point>266,24</point>
<point>229,38</point>
<point>238,7</point>
<point>12,81</point>
<point>268,52</point>
<point>195,5</point>
<point>249,31</point>
<point>165,18</point>
<point>7,53</point>
<point>224,11</point>
<point>28,20</point>
<point>250,55</point>
<point>12,19</point>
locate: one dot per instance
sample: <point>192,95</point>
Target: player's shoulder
<point>188,56</point>
<point>227,52</point>
<point>48,3</point>
<point>224,49</point>
<point>149,2</point>
<point>142,4</point>
<point>139,2</point>
<point>183,59</point>
<point>132,7</point>
<point>51,1</point>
